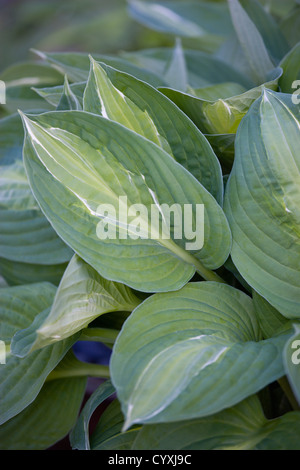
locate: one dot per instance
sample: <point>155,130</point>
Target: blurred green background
<point>70,25</point>
<point>94,26</point>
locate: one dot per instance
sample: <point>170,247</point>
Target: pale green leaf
<point>16,273</point>
<point>84,160</point>
<point>22,379</point>
<point>25,234</point>
<point>76,65</point>
<point>271,321</point>
<point>176,74</point>
<point>192,353</point>
<point>141,108</point>
<point>11,139</point>
<point>251,42</point>
<point>220,115</point>
<point>263,199</point>
<point>82,296</point>
<point>68,99</point>
<point>202,69</point>
<point>53,94</point>
<point>191,19</point>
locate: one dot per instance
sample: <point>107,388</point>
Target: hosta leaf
<point>292,361</point>
<point>141,108</point>
<point>251,42</point>
<point>202,69</point>
<point>219,91</point>
<point>25,234</point>
<point>108,435</point>
<point>190,19</point>
<point>48,419</point>
<point>53,94</point>
<point>269,30</point>
<point>76,65</point>
<point>22,379</point>
<point>82,296</point>
<point>15,192</point>
<point>219,115</point>
<point>68,99</point>
<point>176,74</point>
<point>192,353</point>
<point>79,437</point>
<point>16,273</point>
<point>290,26</point>
<point>20,78</point>
<point>270,320</point>
<point>262,201</point>
<point>11,139</point>
<point>291,70</point>
<point>232,53</point>
<point>241,427</point>
<point>84,160</point>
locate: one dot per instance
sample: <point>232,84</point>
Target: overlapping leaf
<point>191,19</point>
<point>262,201</point>
<point>22,379</point>
<point>192,353</point>
<point>16,273</point>
<point>143,109</point>
<point>242,427</point>
<point>83,160</point>
<point>77,65</point>
<point>219,114</point>
<point>47,420</point>
<point>25,234</point>
<point>202,69</point>
<point>82,296</point>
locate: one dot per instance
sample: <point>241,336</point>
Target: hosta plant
<point>150,201</point>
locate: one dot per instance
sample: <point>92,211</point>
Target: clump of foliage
<point>205,343</point>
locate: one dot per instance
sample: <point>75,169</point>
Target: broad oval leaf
<point>58,404</point>
<point>263,199</point>
<point>220,114</point>
<point>82,296</point>
<point>22,379</point>
<point>140,107</point>
<point>19,79</point>
<point>242,427</point>
<point>84,160</point>
<point>16,273</point>
<point>271,321</point>
<point>192,353</point>
<point>251,42</point>
<point>202,69</point>
<point>11,139</point>
<point>76,65</point>
<point>191,19</point>
<point>25,234</point>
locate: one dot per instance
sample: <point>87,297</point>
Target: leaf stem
<point>103,335</point>
<point>83,370</point>
<point>209,275</point>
